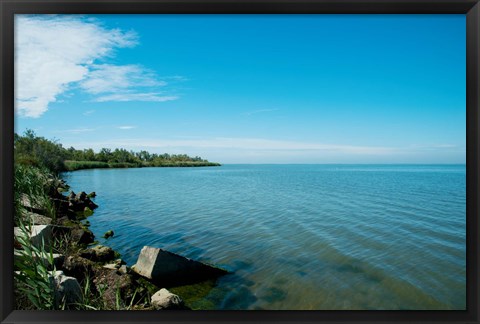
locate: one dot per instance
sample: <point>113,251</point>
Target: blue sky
<point>248,88</point>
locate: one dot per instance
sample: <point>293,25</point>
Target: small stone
<point>71,196</point>
<point>81,196</point>
<point>110,266</point>
<point>164,299</point>
<point>119,262</point>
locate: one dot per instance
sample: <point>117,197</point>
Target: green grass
<point>77,165</point>
<point>31,185</point>
<point>80,165</point>
<point>32,277</point>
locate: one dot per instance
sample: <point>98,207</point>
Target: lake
<point>328,237</point>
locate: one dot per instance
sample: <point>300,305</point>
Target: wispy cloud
<point>254,112</point>
<point>261,150</point>
<point>154,97</point>
<point>247,144</point>
<point>126,127</point>
<point>78,130</point>
<point>88,112</point>
<point>113,79</point>
<point>55,52</point>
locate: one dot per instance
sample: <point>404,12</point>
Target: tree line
<point>34,150</point>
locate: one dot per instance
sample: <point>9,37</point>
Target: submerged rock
<point>108,234</point>
<point>164,299</point>
<point>169,269</point>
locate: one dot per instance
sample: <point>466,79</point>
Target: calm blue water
<point>298,236</point>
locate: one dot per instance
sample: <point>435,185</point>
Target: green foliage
<point>32,277</point>
<point>78,165</point>
<point>31,185</point>
<point>40,152</point>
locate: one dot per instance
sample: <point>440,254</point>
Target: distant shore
<point>82,165</point>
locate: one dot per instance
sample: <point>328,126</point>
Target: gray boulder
<point>99,253</point>
<point>163,299</point>
<point>67,289</point>
<point>32,204</point>
<point>169,269</point>
<point>78,267</point>
<point>37,234</point>
<point>35,219</point>
<point>82,236</point>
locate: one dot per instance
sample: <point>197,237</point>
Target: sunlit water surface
<point>297,236</point>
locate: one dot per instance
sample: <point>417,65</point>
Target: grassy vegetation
<point>31,186</point>
<point>32,277</point>
<point>80,165</point>
<point>34,265</point>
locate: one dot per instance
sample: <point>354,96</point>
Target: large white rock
<point>37,233</point>
<point>163,299</point>
<point>67,289</point>
<point>169,269</point>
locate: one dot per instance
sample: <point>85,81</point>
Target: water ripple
<point>298,236</point>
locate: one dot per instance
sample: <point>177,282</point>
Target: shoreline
<point>71,165</point>
<point>96,269</point>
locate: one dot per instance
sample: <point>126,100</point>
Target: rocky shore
<point>78,263</point>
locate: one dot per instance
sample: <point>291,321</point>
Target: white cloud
<point>126,127</point>
<point>108,78</point>
<point>78,130</point>
<point>54,52</point>
<point>51,52</point>
<point>88,112</point>
<point>249,113</point>
<point>155,97</point>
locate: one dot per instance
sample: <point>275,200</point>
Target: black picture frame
<point>8,8</point>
